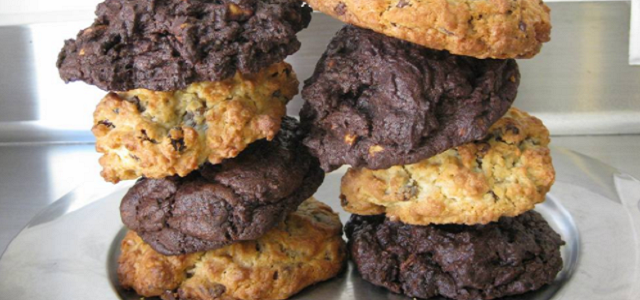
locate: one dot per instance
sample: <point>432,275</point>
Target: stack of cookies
<point>196,108</point>
<point>416,96</point>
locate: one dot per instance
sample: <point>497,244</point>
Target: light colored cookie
<point>159,134</point>
<point>305,249</point>
<point>479,28</point>
<point>506,174</point>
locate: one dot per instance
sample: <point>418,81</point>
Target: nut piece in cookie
<point>509,257</point>
<point>166,45</point>
<point>159,134</point>
<point>238,200</point>
<point>478,28</point>
<point>375,101</point>
<point>305,249</point>
<point>505,174</point>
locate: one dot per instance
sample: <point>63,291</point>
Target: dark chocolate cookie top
<point>508,257</point>
<point>375,101</point>
<point>165,45</point>
<point>240,199</point>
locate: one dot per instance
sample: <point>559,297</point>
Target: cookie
<point>238,200</point>
<point>169,44</point>
<point>160,134</point>
<point>375,102</point>
<point>505,174</point>
<point>509,257</point>
<point>483,29</point>
<point>305,249</point>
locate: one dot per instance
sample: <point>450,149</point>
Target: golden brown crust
<point>159,134</point>
<point>305,249</point>
<point>505,174</point>
<point>479,28</point>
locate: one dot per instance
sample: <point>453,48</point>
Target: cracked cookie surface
<point>165,45</point>
<point>509,257</point>
<point>505,174</point>
<point>305,249</point>
<point>240,199</point>
<point>159,134</point>
<point>479,28</point>
<point>375,102</point>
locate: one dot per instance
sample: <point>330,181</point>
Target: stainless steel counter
<point>34,176</point>
<point>580,84</point>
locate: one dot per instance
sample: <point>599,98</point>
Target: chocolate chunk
<point>376,101</point>
<point>341,8</point>
<point>168,44</point>
<point>403,4</point>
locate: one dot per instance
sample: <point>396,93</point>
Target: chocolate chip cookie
<point>478,28</point>
<point>505,174</point>
<point>159,134</point>
<point>305,249</point>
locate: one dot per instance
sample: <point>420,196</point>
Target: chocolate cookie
<point>508,257</point>
<point>168,44</point>
<point>375,101</point>
<point>304,249</point>
<point>238,200</point>
<point>483,29</point>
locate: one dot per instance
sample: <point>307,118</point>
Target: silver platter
<point>69,251</point>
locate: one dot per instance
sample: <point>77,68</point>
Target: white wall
<point>30,6</point>
<point>14,12</point>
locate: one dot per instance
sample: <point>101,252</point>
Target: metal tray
<point>69,251</point>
